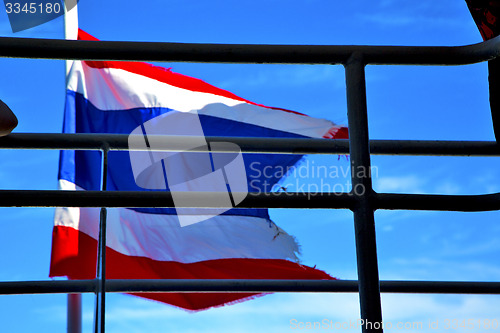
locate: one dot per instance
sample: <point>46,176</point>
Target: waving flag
<point>486,14</point>
<point>120,97</point>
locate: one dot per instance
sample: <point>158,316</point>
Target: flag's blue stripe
<point>83,117</point>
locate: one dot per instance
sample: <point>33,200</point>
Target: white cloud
<point>448,188</point>
<point>390,13</point>
<point>425,308</point>
<point>269,313</point>
<point>425,268</point>
<point>406,184</point>
<point>290,76</point>
<point>274,313</point>
<point>486,180</point>
<point>437,181</point>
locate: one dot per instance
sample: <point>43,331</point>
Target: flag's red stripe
<point>167,76</point>
<point>74,255</point>
<point>337,133</point>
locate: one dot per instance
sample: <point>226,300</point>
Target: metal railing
<point>363,205</point>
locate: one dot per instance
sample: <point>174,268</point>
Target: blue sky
<point>405,102</point>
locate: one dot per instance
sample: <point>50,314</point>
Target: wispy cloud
<point>274,313</point>
<point>406,184</point>
<point>425,308</point>
<point>439,180</point>
<point>448,188</point>
<point>389,13</point>
<point>487,180</point>
<point>289,76</point>
<point>389,20</point>
<point>426,268</point>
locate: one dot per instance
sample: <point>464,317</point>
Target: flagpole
<point>74,313</point>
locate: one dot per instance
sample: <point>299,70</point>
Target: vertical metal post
<point>494,84</point>
<point>100,305</point>
<point>364,221</point>
<point>74,313</point>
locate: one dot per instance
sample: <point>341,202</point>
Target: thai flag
<point>120,97</point>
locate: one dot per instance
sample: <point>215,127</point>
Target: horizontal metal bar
<point>136,199</point>
<point>247,286</point>
<point>47,287</point>
<point>65,141</point>
<point>119,142</point>
<point>440,287</point>
<point>240,53</point>
<point>434,148</point>
<point>434,202</point>
<point>302,286</point>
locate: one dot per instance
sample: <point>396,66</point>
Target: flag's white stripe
<point>116,89</point>
<point>111,89</point>
<point>160,237</point>
<point>67,216</point>
<point>269,118</point>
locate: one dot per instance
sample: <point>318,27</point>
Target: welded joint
<point>369,198</point>
<point>356,58</point>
